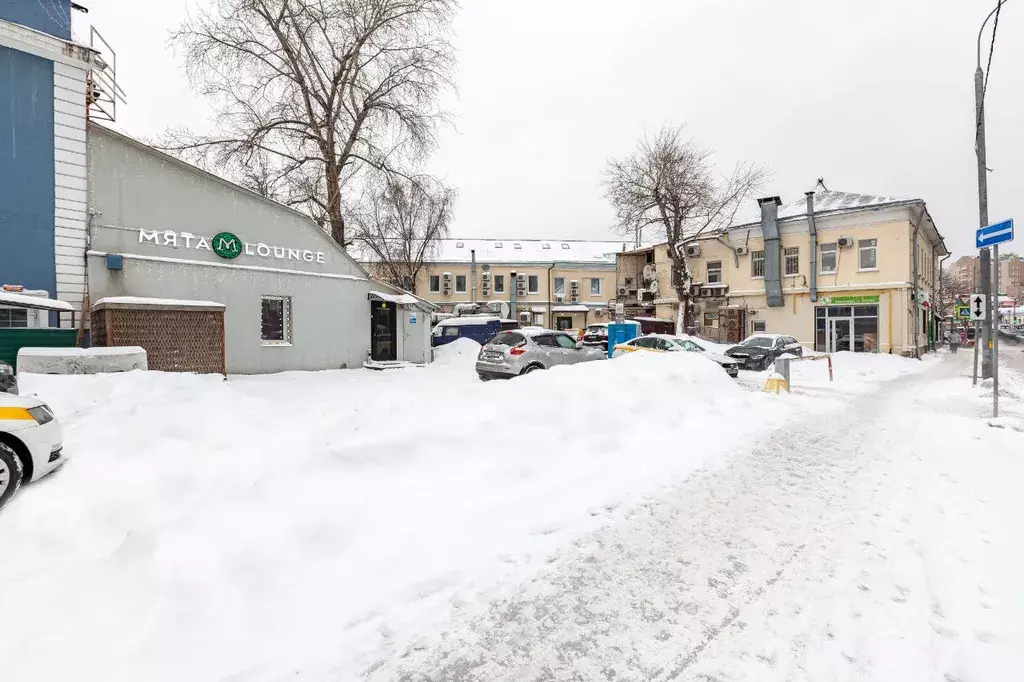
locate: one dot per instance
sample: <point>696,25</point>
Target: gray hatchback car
<point>522,351</point>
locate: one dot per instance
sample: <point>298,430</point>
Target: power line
<point>991,50</point>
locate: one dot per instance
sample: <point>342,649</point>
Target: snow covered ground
<point>418,522</point>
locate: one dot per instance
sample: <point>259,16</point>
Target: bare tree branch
<point>312,95</point>
<point>670,182</point>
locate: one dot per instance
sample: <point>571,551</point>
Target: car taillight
<point>518,349</point>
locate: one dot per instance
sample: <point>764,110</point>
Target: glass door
<point>838,335</point>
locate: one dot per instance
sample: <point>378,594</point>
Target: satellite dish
<point>649,272</point>
<point>653,286</point>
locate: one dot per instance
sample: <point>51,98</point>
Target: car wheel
<point>10,474</point>
<point>531,368</point>
<point>484,377</point>
<point>766,363</point>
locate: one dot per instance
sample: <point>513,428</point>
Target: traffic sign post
<point>976,307</point>
<point>994,234</point>
<point>991,235</point>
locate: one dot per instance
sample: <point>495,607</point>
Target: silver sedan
<point>522,351</point>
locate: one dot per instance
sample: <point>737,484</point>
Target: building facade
<point>43,75</point>
<point>293,299</point>
<point>838,271</point>
<point>561,284</point>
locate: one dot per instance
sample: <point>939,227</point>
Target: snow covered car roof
<point>469,319</point>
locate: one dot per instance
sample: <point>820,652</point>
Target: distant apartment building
<point>965,270</point>
<point>556,283</point>
<point>1011,276</point>
<point>837,270</point>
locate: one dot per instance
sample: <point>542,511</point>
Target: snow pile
<point>460,352</point>
<point>852,372</point>
<point>289,525</point>
<point>1011,384</point>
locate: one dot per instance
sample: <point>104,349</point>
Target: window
<point>759,326</point>
<point>792,254</point>
<point>564,341</point>
<point>559,285</point>
<point>829,258</point>
<point>714,275</point>
<point>757,263</point>
<point>533,284</point>
<point>13,317</point>
<point>276,322</point>
<point>565,246</point>
<point>563,323</point>
<point>460,284</point>
<point>545,246</point>
<point>709,319</point>
<point>459,245</point>
<point>545,340</point>
<point>435,283</point>
<point>499,284</point>
<point>538,319</point>
<point>595,286</point>
<point>868,254</point>
<point>662,344</point>
<point>646,342</point>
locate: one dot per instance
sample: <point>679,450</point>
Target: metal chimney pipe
<point>772,251</point>
<point>813,230</point>
<point>472,275</point>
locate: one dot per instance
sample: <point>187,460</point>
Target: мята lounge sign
<point>227,245</point>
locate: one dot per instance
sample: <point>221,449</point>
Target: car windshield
<point>507,339</point>
<point>687,345</point>
<point>759,342</point>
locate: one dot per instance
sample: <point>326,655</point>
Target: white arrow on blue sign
<point>995,234</point>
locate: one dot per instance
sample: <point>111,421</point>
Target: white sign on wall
<point>227,246</point>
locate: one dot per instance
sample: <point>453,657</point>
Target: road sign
<point>963,312</point>
<point>994,234</point>
<point>977,305</point>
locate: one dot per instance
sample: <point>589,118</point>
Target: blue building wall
<point>48,16</point>
<point>26,171</point>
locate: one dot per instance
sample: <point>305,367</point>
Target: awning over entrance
<point>401,299</point>
<point>23,301</point>
<point>569,309</point>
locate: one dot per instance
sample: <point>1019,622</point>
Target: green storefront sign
<point>848,300</point>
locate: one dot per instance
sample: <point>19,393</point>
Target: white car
<point>31,444</point>
<point>668,343</point>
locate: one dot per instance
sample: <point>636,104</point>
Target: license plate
<point>493,356</point>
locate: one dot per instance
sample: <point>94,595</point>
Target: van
<point>480,329</point>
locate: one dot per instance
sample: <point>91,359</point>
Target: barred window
<point>757,263</point>
<point>792,254</point>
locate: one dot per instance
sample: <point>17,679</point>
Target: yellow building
<point>858,276</point>
<point>562,284</point>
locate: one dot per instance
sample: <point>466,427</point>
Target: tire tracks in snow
<point>645,598</point>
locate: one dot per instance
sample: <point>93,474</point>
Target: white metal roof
<point>30,301</point>
<point>525,251</point>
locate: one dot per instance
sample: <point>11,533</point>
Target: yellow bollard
<point>774,383</point>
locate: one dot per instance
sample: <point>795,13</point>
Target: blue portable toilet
<point>620,332</point>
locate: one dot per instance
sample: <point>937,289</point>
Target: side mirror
<point>579,345</point>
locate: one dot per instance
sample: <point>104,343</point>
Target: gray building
<point>294,300</point>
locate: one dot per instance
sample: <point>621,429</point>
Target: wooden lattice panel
<point>175,340</point>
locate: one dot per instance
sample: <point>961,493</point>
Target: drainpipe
<point>472,276</point>
<point>551,294</point>
<point>728,244</point>
<point>772,251</point>
<point>917,307</point>
<point>814,246</point>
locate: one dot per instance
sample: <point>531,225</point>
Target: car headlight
<point>6,369</point>
<point>41,414</point>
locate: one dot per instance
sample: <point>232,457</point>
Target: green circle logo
<point>227,245</point>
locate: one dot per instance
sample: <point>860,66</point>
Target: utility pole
<point>985,265</point>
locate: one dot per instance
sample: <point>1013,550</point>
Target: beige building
<point>965,269</point>
<point>1011,276</point>
<point>859,276</point>
<point>562,284</point>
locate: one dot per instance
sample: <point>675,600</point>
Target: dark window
<point>646,342</point>
<point>757,263</point>
<point>562,323</point>
<point>760,326</point>
<point>829,258</point>
<point>865,311</point>
<point>564,341</point>
<point>792,254</point>
<point>868,253</point>
<point>451,330</point>
<point>819,313</point>
<point>13,317</point>
<point>499,284</point>
<point>533,284</point>
<point>840,311</point>
<point>546,340</point>
<point>507,339</point>
<point>865,334</point>
<point>460,284</point>
<point>276,323</point>
<point>435,283</point>
<point>714,275</point>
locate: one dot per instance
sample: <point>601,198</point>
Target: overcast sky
<point>876,96</point>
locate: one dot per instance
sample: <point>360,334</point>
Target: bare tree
<point>669,183</point>
<point>310,94</point>
<point>400,225</point>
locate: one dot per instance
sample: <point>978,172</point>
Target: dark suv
<point>759,351</point>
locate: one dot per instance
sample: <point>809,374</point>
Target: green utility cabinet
<point>14,339</point>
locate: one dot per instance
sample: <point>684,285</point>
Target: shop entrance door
<point>838,335</point>
<point>383,331</point>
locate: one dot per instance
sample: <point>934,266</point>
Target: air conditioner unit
<point>742,251</point>
<point>524,317</point>
<point>520,277</point>
<point>845,242</point>
<point>485,292</point>
<point>599,313</point>
<point>559,298</point>
<point>649,272</point>
<point>486,277</point>
<point>575,298</point>
<point>692,250</point>
<point>447,276</point>
<point>447,291</point>
<point>575,284</point>
<point>621,291</point>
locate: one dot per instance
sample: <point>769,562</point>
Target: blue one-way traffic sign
<point>995,234</point>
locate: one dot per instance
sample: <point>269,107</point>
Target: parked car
<point>480,329</point>
<point>8,382</point>
<point>30,443</point>
<point>667,343</point>
<point>596,336</point>
<point>526,350</point>
<point>758,352</point>
<point>655,325</point>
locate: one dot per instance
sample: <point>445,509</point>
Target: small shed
<point>178,335</point>
<point>400,329</point>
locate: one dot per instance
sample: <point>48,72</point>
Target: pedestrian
<point>953,337</point>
